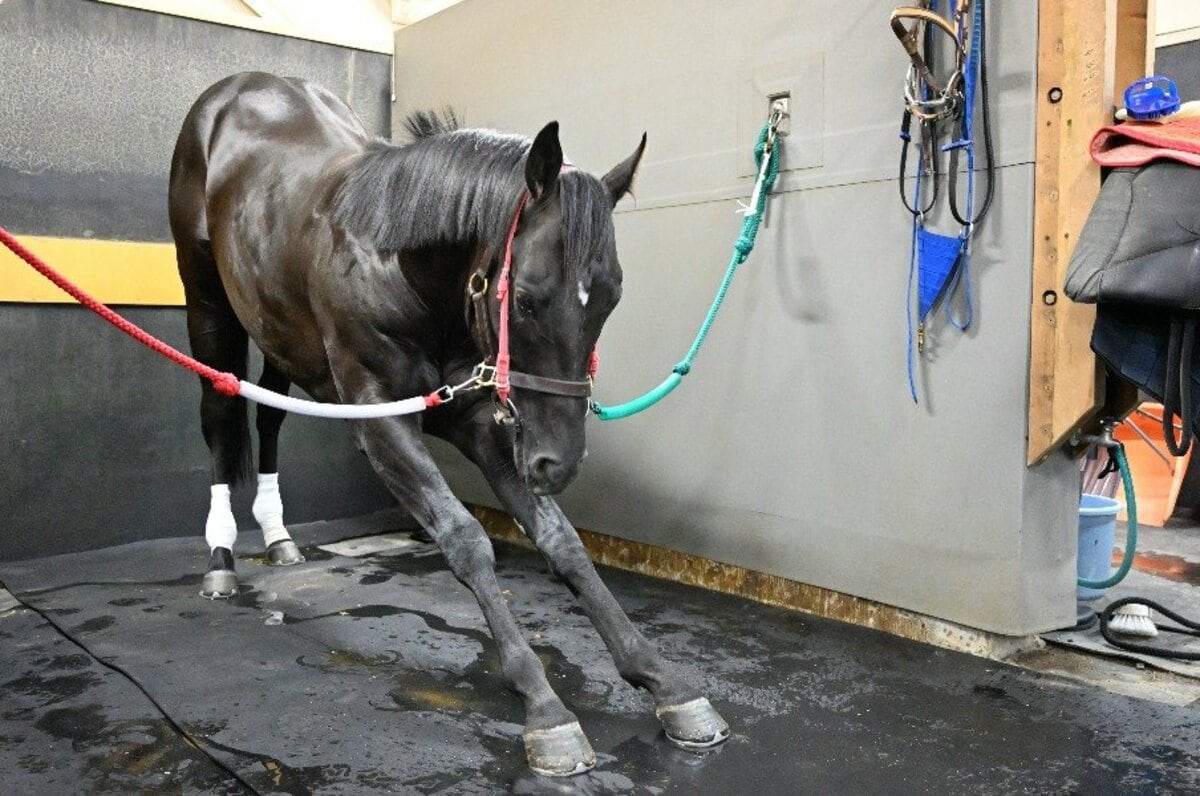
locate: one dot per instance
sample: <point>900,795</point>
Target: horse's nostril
<point>545,468</point>
<point>547,474</point>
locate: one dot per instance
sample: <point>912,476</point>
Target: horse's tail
<point>423,124</point>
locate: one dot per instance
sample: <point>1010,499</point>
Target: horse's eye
<point>525,305</point>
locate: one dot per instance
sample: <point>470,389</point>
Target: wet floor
<point>1171,567</point>
<point>376,675</point>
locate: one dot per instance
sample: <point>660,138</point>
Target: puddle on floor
<point>1173,568</point>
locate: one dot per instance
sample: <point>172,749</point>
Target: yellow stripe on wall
<point>114,271</point>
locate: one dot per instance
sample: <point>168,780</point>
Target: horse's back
<point>249,122</point>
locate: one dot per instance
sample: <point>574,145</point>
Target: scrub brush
<point>1133,619</point>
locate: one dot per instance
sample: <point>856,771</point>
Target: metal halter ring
<point>942,105</point>
<point>480,279</point>
<point>507,415</point>
<point>778,114</point>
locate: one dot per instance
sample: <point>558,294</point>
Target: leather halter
<point>494,344</point>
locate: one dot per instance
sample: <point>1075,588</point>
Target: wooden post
<point>1134,45</point>
<point>1071,104</point>
<point>1083,57</point>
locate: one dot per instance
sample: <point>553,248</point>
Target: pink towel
<point>1137,143</point>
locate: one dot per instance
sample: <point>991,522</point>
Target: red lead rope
<point>226,383</point>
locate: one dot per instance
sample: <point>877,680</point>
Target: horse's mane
<point>453,186</point>
<point>423,124</point>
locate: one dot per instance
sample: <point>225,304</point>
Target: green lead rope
<point>741,250</point>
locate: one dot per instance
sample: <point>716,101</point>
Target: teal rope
<point>741,250</point>
<point>1118,453</point>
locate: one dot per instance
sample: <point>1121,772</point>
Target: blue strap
<point>908,303</point>
<point>963,272</point>
<point>912,260</point>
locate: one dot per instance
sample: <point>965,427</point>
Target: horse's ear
<point>619,180</point>
<point>544,161</point>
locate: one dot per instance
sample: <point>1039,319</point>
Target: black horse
<point>361,270</point>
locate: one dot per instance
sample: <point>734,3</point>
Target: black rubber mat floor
<point>375,674</point>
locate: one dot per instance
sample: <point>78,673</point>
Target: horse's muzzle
<point>546,474</point>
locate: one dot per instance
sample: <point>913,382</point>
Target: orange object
<point>1157,475</point>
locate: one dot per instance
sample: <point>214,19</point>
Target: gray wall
<point>101,438</point>
<point>1181,63</point>
<point>793,448</point>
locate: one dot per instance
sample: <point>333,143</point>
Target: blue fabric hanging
<point>937,257</point>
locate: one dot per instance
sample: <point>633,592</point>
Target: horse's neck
<point>437,277</point>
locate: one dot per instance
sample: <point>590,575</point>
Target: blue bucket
<point>1097,530</point>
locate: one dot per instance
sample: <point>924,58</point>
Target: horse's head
<point>565,282</point>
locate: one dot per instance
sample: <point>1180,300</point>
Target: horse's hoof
<point>284,553</point>
<point>693,725</point>
<point>219,584</point>
<point>559,751</point>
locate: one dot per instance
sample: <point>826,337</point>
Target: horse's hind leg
<point>686,716</point>
<point>219,341</point>
<point>221,344</point>
<point>268,506</point>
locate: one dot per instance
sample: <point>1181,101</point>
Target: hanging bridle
<point>924,95</point>
<point>496,370</point>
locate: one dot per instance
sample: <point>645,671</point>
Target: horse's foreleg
<point>268,506</point>
<point>687,717</point>
<point>554,742</point>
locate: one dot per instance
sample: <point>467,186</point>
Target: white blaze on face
<point>583,294</point>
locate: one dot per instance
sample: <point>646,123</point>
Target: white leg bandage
<point>220,529</point>
<point>268,509</point>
